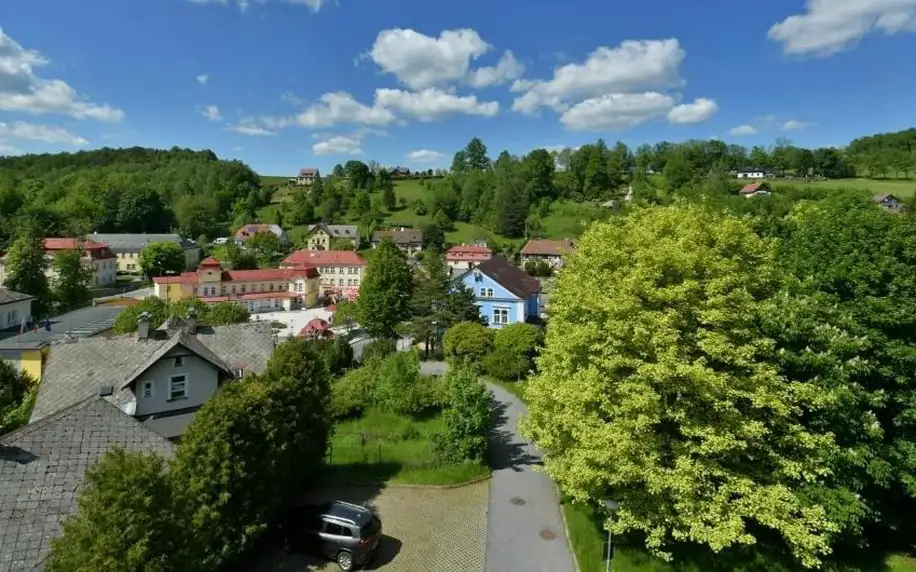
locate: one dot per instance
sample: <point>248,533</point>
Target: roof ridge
<point>48,419</point>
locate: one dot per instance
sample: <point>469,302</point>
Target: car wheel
<point>345,561</point>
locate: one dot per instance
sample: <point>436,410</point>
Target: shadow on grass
<point>589,540</point>
<point>507,451</point>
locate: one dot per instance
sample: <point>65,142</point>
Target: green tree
<point>239,259</point>
<point>268,249</point>
<point>475,155</point>
<point>677,172</point>
<point>17,394</point>
<point>25,266</point>
<point>467,342</point>
<point>161,258</point>
<point>223,314</point>
<point>514,349</point>
<point>664,395</point>
<point>385,292</point>
<point>345,314</point>
<point>141,210</point>
<point>539,168</point>
<point>433,237</point>
<point>70,286</point>
<point>127,520</point>
<point>466,418</point>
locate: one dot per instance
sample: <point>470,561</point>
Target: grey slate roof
<point>337,230</point>
<point>407,236</point>
<point>508,276</point>
<point>137,242</point>
<point>75,369</point>
<point>9,297</point>
<point>77,324</point>
<point>42,468</point>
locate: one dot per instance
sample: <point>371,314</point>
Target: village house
<point>97,257</point>
<point>549,251</point>
<point>249,230</point>
<point>127,247</point>
<point>341,271</point>
<point>407,239</point>
<point>259,290</point>
<point>755,190</point>
<point>890,203</point>
<point>754,173</point>
<point>466,256</point>
<point>319,236</point>
<point>306,177</point>
<point>15,309</point>
<point>504,293</point>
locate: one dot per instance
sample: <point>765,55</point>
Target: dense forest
<point>125,190</point>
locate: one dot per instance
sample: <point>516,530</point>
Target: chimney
<point>105,390</point>
<point>192,321</point>
<point>143,323</point>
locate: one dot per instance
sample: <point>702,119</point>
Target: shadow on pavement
<point>388,549</point>
<point>506,452</point>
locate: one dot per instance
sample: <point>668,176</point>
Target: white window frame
<point>489,292</point>
<point>183,390</point>
<point>147,385</point>
<point>498,311</point>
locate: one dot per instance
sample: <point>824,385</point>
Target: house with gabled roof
<point>503,292</point>
<point>890,203</point>
<point>755,190</point>
<point>128,246</point>
<point>248,231</point>
<point>319,236</point>
<point>160,376</point>
<point>550,251</point>
<point>341,271</point>
<point>410,240</point>
<point>306,177</point>
<point>43,467</point>
<point>466,256</point>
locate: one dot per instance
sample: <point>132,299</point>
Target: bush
<point>17,396</point>
<point>400,388</point>
<point>467,342</point>
<point>467,419</point>
<point>514,349</point>
<point>354,392</point>
<point>337,354</point>
<point>379,349</point>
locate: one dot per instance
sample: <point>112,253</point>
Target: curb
<point>566,530</point>
<point>386,485</point>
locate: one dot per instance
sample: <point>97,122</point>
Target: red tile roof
<point>249,296</point>
<point>210,261</point>
<point>324,258</point>
<point>753,188</point>
<point>91,248</point>
<point>468,252</point>
<point>547,247</point>
<point>258,275</point>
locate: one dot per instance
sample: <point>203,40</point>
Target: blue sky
<point>284,84</point>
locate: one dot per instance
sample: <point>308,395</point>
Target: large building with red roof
<point>260,290</point>
<point>341,271</point>
<point>466,256</point>
<point>96,256</point>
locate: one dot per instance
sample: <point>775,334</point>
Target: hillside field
<point>901,188</point>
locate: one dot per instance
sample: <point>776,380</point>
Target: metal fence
<point>364,448</point>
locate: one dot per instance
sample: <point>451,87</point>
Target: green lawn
<point>385,447</point>
<point>900,187</point>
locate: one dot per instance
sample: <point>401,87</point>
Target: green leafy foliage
<point>514,349</point>
<point>385,291</point>
<point>161,258</point>
<point>379,349</point>
<point>399,387</point>
<point>17,395</point>
<point>467,418</point>
<point>467,342</point>
<point>127,521</point>
<point>657,388</point>
<point>25,265</point>
<point>70,286</point>
<point>218,314</point>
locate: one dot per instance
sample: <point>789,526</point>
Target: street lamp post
<point>612,507</point>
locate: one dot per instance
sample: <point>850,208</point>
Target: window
<point>233,288</point>
<point>335,529</point>
<point>489,292</point>
<point>483,292</point>
<point>179,361</point>
<point>299,286</point>
<point>242,288</point>
<point>177,387</point>
<point>340,281</point>
<point>271,286</point>
<point>500,316</point>
<point>147,390</point>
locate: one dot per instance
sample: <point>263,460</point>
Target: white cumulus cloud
<point>23,90</point>
<point>506,69</point>
<point>247,128</point>
<point>616,111</point>
<point>425,156</point>
<point>432,104</point>
<point>420,61</point>
<point>700,110</point>
<point>34,132</point>
<point>212,113</point>
<point>338,145</point>
<point>829,26</point>
<point>203,78</point>
<point>743,130</point>
<point>795,125</point>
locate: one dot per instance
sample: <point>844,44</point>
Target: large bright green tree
<point>160,258</point>
<point>70,285</point>
<point>385,292</point>
<point>657,388</point>
<point>25,265</point>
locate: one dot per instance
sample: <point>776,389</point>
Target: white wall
<point>201,382</point>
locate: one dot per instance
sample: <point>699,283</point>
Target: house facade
<point>319,236</point>
<point>259,290</point>
<point>755,190</point>
<point>504,294</point>
<point>15,309</point>
<point>340,271</point>
<point>407,239</point>
<point>249,230</point>
<point>753,173</point>
<point>155,374</point>
<point>550,251</point>
<point>127,248</point>
<point>96,257</point>
<point>307,176</point>
<point>466,256</point>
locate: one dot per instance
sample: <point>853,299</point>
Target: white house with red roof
<point>466,256</point>
<point>260,290</point>
<point>341,271</point>
<point>755,190</point>
<point>96,256</point>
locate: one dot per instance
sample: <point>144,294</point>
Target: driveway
<point>425,530</point>
<point>525,527</point>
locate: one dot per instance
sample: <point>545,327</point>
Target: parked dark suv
<point>347,533</point>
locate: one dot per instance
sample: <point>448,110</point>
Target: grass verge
<point>516,388</point>
<point>384,447</point>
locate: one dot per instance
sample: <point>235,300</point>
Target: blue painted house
<point>505,294</point>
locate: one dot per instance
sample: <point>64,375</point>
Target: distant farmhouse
<point>890,203</point>
<point>319,236</point>
<point>307,176</point>
<point>249,230</point>
<point>755,190</point>
<point>409,240</point>
<point>754,173</point>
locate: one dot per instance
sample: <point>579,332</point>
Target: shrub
<point>467,419</point>
<point>17,395</point>
<point>379,349</point>
<point>337,354</point>
<point>467,341</point>
<point>354,392</point>
<point>514,349</point>
<point>400,388</point>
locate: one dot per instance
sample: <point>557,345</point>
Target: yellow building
<point>319,236</point>
<point>260,290</point>
<point>127,247</point>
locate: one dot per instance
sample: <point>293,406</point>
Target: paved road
<point>525,530</point>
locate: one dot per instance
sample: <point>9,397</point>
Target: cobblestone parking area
<point>425,530</point>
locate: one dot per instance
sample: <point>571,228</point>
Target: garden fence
<point>363,448</point>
